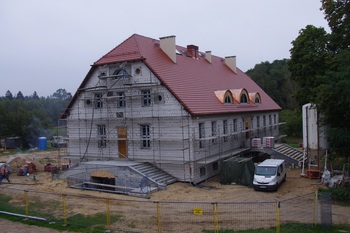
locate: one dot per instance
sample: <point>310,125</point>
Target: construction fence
<point>118,215</point>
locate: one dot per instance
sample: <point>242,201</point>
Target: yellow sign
<point>197,211</point>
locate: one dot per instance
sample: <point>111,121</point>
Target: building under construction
<point>153,103</point>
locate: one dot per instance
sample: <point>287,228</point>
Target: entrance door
<point>122,145</point>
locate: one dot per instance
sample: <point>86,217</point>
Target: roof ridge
<point>119,45</point>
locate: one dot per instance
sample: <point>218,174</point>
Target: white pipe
<point>325,161</point>
<point>303,166</point>
<point>22,215</point>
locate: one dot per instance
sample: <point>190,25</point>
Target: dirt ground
<point>294,186</point>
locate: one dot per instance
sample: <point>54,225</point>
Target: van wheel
<point>284,179</point>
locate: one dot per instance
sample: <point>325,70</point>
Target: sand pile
<point>17,162</point>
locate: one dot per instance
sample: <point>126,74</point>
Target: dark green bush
<point>338,194</point>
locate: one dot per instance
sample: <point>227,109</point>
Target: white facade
<point>134,117</point>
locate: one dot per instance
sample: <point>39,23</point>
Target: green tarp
<point>237,170</point>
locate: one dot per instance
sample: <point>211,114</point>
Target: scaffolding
<point>107,119</point>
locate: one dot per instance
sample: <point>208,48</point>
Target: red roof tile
<point>192,81</point>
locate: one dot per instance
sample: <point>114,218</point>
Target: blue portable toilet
<point>42,143</point>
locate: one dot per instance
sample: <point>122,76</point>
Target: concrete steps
<point>154,174</point>
<point>290,154</point>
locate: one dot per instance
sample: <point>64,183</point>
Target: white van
<point>269,174</point>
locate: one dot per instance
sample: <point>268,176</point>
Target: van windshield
<point>265,171</point>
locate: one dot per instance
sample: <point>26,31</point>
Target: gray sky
<point>46,45</point>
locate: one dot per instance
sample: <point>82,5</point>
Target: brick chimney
<point>192,50</point>
<point>231,63</point>
<point>168,45</point>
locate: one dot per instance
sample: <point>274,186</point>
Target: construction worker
<point>5,173</point>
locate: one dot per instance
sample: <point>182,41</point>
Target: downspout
<point>307,133</point>
<point>318,140</point>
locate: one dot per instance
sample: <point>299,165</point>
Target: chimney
<point>168,45</point>
<point>231,63</point>
<point>208,56</point>
<point>192,50</point>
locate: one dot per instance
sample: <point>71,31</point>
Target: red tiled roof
<point>192,81</point>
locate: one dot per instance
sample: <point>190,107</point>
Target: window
<point>258,122</point>
<point>214,132</point>
<point>270,120</point>
<point>121,100</point>
<point>274,119</point>
<point>145,136</point>
<point>102,136</point>
<point>235,128</point>
<point>228,99</point>
<point>120,74</point>
<point>264,121</point>
<point>280,169</point>
<point>265,171</point>
<point>202,171</point>
<point>98,100</point>
<point>201,135</point>
<point>257,99</point>
<point>244,99</point>
<point>225,131</point>
<point>146,98</point>
<point>234,125</point>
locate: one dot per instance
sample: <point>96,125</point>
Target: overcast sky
<point>46,45</point>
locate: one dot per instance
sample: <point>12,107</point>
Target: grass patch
<point>96,223</point>
<point>6,206</point>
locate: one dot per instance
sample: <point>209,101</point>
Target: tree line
<point>31,117</point>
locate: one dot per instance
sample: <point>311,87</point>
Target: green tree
<point>8,95</point>
<point>20,96</point>
<point>62,94</point>
<point>293,126</point>
<point>337,13</point>
<point>274,79</point>
<point>35,96</point>
<point>334,102</point>
<point>308,60</point>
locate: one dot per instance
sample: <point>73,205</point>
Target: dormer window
<point>257,99</point>
<point>224,96</point>
<point>228,99</point>
<point>244,99</point>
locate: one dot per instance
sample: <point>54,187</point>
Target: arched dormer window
<point>244,98</point>
<point>240,96</point>
<point>224,96</point>
<point>257,99</point>
<point>228,98</point>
